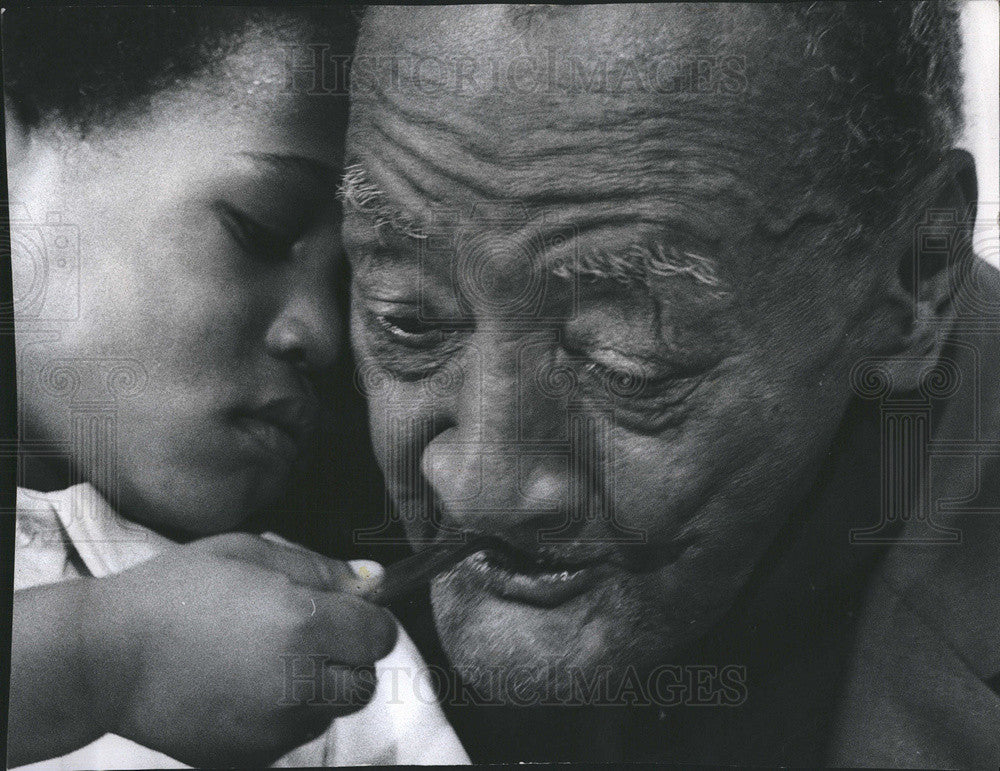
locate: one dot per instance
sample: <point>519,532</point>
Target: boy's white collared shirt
<point>74,532</point>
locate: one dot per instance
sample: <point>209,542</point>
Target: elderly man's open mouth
<point>537,579</point>
<point>550,575</point>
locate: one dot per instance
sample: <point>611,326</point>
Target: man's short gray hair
<point>890,83</point>
<point>893,70</point>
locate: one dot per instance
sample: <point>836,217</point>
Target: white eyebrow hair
<point>359,193</point>
<point>637,263</point>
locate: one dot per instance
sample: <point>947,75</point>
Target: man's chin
<point>517,648</point>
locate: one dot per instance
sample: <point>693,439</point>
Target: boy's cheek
<point>185,469</point>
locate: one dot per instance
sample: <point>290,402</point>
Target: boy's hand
<point>232,649</point>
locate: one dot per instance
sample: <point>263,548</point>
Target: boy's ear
<point>934,259</point>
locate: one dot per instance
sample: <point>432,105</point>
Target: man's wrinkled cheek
<point>667,486</point>
<point>398,445</point>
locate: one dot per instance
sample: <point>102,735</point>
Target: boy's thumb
<point>369,575</point>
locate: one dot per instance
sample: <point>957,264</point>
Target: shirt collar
<point>106,541</point>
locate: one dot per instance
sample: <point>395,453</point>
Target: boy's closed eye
<point>257,239</point>
<point>267,201</point>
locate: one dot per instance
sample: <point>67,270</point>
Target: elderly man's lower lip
<point>545,589</point>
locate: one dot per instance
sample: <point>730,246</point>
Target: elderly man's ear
<point>932,262</point>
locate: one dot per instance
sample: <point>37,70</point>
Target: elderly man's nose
<point>490,488</point>
<point>306,333</point>
<point>495,465</point>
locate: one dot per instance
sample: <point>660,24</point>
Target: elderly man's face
<point>604,326</point>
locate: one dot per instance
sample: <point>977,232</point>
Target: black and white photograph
<point>448,384</point>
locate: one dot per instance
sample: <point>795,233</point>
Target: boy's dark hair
<point>86,65</point>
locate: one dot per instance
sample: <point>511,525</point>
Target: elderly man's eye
<point>410,330</point>
<point>643,398</point>
<point>403,341</point>
<point>409,327</point>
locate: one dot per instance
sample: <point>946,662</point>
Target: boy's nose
<point>306,334</point>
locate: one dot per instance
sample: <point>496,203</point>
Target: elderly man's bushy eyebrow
<point>360,194</point>
<point>640,262</point>
<point>636,263</point>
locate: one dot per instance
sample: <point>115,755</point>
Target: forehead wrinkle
<point>437,158</point>
<point>624,183</point>
<point>510,140</point>
<point>672,205</point>
<point>653,185</point>
<point>425,112</point>
<point>489,121</point>
<point>611,166</point>
<point>360,194</point>
<point>420,172</point>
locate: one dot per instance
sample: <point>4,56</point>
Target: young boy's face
<point>171,354</point>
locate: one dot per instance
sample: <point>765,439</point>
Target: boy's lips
<point>281,427</point>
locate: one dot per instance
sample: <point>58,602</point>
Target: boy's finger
<point>351,630</point>
<point>303,566</point>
